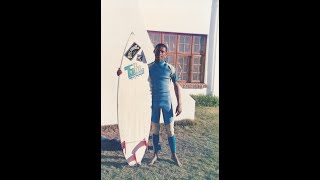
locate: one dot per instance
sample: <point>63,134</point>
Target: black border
<point>54,89</point>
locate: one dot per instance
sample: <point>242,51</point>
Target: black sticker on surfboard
<point>132,51</point>
<point>141,57</point>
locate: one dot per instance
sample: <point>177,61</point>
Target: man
<point>160,75</point>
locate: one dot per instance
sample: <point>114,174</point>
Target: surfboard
<point>134,101</point>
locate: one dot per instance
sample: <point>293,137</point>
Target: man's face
<point>160,53</point>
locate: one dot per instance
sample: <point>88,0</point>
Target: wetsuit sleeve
<point>174,76</point>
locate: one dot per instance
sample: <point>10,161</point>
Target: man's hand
<point>119,72</point>
<point>178,110</point>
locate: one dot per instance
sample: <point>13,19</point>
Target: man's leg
<point>155,129</point>
<point>172,143</point>
<point>169,122</point>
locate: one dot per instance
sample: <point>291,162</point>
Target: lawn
<point>197,149</point>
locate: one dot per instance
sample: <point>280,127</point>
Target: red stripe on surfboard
<point>138,146</point>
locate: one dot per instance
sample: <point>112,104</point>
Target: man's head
<point>160,51</point>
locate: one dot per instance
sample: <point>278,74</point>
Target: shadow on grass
<point>114,164</point>
<point>111,157</point>
<point>110,145</point>
<point>113,144</point>
<point>113,161</point>
<point>159,160</point>
<point>166,160</point>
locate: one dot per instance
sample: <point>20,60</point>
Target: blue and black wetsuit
<point>160,75</point>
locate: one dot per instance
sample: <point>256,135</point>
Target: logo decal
<point>141,57</point>
<point>132,51</point>
<point>134,70</point>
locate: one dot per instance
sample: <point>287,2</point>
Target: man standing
<point>160,75</point>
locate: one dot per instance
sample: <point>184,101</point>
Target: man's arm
<point>177,90</point>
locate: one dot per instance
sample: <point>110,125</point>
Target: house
<point>189,28</point>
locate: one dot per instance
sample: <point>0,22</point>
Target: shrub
<point>206,100</point>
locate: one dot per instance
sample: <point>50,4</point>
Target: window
<point>186,52</point>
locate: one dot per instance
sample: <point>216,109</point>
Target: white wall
<point>202,91</point>
<point>117,16</point>
<point>189,16</point>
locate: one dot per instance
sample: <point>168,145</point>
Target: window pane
<point>170,60</point>
<point>179,69</point>
<point>166,38</point>
<point>180,59</point>
<point>181,39</point>
<point>202,40</point>
<point>196,48</point>
<point>195,77</point>
<point>187,48</point>
<point>196,40</point>
<point>180,64</point>
<point>185,77</point>
<point>196,60</point>
<point>181,48</point>
<point>185,69</point>
<point>171,47</point>
<point>169,40</point>
<point>172,38</point>
<point>187,40</point>
<point>197,68</point>
<point>186,60</point>
<point>157,37</point>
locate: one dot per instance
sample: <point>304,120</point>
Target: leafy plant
<point>206,100</point>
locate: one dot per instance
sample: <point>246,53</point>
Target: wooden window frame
<point>192,54</point>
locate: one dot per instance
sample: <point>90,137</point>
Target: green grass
<point>197,149</point>
<point>206,100</point>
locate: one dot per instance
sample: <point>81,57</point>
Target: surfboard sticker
<point>134,70</point>
<point>132,51</point>
<point>141,57</point>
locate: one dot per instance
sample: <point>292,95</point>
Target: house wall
<point>184,16</point>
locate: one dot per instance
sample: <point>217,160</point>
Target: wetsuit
<point>160,75</point>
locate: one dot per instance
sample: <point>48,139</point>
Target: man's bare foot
<point>155,157</point>
<point>176,160</point>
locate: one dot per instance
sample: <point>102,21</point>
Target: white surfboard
<point>134,101</point>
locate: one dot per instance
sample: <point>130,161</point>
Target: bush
<point>206,100</point>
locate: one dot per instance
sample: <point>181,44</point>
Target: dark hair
<point>159,46</point>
